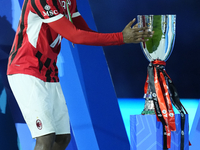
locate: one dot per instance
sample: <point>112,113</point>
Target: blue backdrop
<point>127,62</point>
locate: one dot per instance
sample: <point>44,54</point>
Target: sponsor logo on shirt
<point>47,7</point>
<point>49,12</point>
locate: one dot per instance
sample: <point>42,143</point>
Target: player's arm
<point>68,30</point>
<point>80,23</point>
<point>78,20</point>
<point>49,12</point>
<point>129,35</point>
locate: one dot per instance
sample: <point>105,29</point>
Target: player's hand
<point>135,34</point>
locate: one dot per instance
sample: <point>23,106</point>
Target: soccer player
<point>32,70</point>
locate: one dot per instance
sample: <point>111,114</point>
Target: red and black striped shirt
<point>37,42</point>
<point>36,45</point>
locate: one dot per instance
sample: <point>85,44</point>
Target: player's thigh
<point>35,103</point>
<point>60,111</point>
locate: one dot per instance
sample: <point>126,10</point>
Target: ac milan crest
<point>39,124</point>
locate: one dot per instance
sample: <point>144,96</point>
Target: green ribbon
<point>70,17</point>
<point>68,12</point>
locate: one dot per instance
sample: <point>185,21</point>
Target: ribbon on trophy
<point>164,94</point>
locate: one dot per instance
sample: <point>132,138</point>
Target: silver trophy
<point>159,47</point>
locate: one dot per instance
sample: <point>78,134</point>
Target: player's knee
<point>63,140</point>
<point>45,141</point>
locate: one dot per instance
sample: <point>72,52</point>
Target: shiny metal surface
<point>160,46</point>
<point>149,105</point>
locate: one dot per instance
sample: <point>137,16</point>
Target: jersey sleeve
<point>48,10</point>
<point>77,19</point>
<point>66,29</point>
<point>80,23</point>
<point>73,8</point>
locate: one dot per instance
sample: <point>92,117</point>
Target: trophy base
<point>148,112</point>
<point>149,106</point>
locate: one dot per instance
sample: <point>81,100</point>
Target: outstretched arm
<point>129,35</point>
<point>68,30</point>
<point>60,24</point>
<point>80,23</point>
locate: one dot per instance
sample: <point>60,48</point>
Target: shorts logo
<point>39,124</point>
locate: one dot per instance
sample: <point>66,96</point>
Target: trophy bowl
<point>159,47</point>
<point>161,44</point>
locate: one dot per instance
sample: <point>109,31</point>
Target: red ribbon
<point>164,101</point>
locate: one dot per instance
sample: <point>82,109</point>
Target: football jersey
<point>36,45</point>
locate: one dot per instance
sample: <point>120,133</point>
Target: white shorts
<point>42,104</point>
